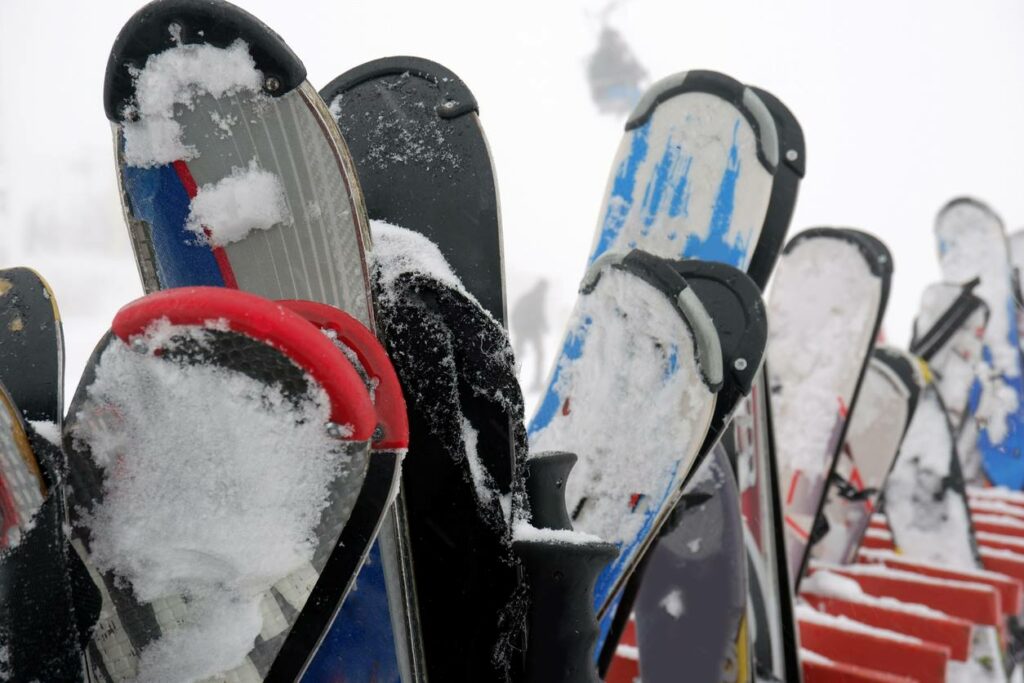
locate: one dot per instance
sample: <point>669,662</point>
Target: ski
<point>824,322</point>
<point>41,583</point>
<point>233,174</point>
<point>233,407</point>
<point>925,497</point>
<point>425,169</point>
<point>886,403</point>
<point>972,244</point>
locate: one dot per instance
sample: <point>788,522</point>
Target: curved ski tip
<point>454,96</point>
<point>874,250</point>
<point>966,203</point>
<point>724,87</point>
<point>164,24</point>
<point>792,148</point>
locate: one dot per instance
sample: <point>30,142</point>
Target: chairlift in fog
<point>615,76</point>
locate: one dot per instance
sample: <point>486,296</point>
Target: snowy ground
<point>897,121</point>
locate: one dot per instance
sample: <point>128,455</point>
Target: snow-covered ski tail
<point>925,495</point>
<point>972,244</point>
<point>419,148</point>
<point>636,397</point>
<point>826,306</point>
<point>886,403</point>
<point>217,445</point>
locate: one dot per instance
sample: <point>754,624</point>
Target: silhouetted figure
<point>530,325</point>
<point>615,76</point>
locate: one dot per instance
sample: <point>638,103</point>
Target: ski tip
<point>269,323</point>
<point>792,149</point>
<point>874,250</point>
<point>724,87</point>
<point>965,203</point>
<point>454,97</point>
<point>164,24</point>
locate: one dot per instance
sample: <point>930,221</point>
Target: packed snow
<point>214,484</point>
<point>635,424</point>
<point>928,516</point>
<point>524,531</point>
<point>826,583</point>
<point>399,251</point>
<point>811,615</point>
<point>176,77</point>
<point>48,430</point>
<point>227,211</point>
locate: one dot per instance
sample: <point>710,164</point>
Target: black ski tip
<point>792,149</point>
<point>454,96</point>
<point>725,87</point>
<point>218,23</point>
<point>875,252</point>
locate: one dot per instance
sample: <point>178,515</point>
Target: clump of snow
<point>822,306</point>
<point>928,517</point>
<point>524,531</point>
<point>176,77</point>
<point>48,430</point>
<point>634,408</point>
<point>672,603</point>
<point>214,484</point>
<point>809,614</point>
<point>398,251</point>
<point>228,210</point>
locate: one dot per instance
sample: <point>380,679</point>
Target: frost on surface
<point>927,514</point>
<point>634,408</point>
<point>227,211</point>
<point>174,78</point>
<point>823,306</point>
<point>213,487</point>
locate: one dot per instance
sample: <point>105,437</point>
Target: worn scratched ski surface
<point>692,176</point>
<point>694,589</point>
<point>925,494</point>
<point>423,162</point>
<point>240,178</point>
<point>826,306</point>
<point>972,244</point>
<point>884,408</point>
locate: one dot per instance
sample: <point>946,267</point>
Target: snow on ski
<point>886,403</point>
<point>826,304</point>
<point>972,244</point>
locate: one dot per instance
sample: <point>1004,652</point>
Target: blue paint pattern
<point>623,191</point>
<point>715,247</point>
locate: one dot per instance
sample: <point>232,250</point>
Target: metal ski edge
<point>724,87</point>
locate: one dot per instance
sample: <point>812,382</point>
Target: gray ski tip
<point>593,274</point>
<point>768,134</point>
<point>709,348</point>
<point>960,210</point>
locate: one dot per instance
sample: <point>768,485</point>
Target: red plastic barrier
<point>1003,561</point>
<point>625,666</point>
<point>837,672</point>
<point>949,632</point>
<point>924,662</point>
<point>878,539</point>
<point>997,524</point>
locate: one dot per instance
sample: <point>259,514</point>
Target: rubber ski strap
<point>966,303</point>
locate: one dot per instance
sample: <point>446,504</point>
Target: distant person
<point>614,74</point>
<point>530,325</point>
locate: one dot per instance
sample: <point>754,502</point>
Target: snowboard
<point>824,323</point>
<point>233,174</point>
<point>925,496</point>
<point>949,334</point>
<point>972,243</point>
<point>417,144</point>
<point>41,583</point>
<point>233,407</point>
<point>693,176</point>
<point>885,406</point>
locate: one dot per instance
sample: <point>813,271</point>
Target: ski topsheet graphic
<point>425,170</point>
<point>233,173</point>
<point>210,404</point>
<point>884,407</point>
<point>638,311</point>
<point>825,308</point>
<point>694,587</point>
<point>925,497</point>
<point>972,244</point>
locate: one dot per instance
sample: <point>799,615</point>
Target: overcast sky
<point>904,105</point>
